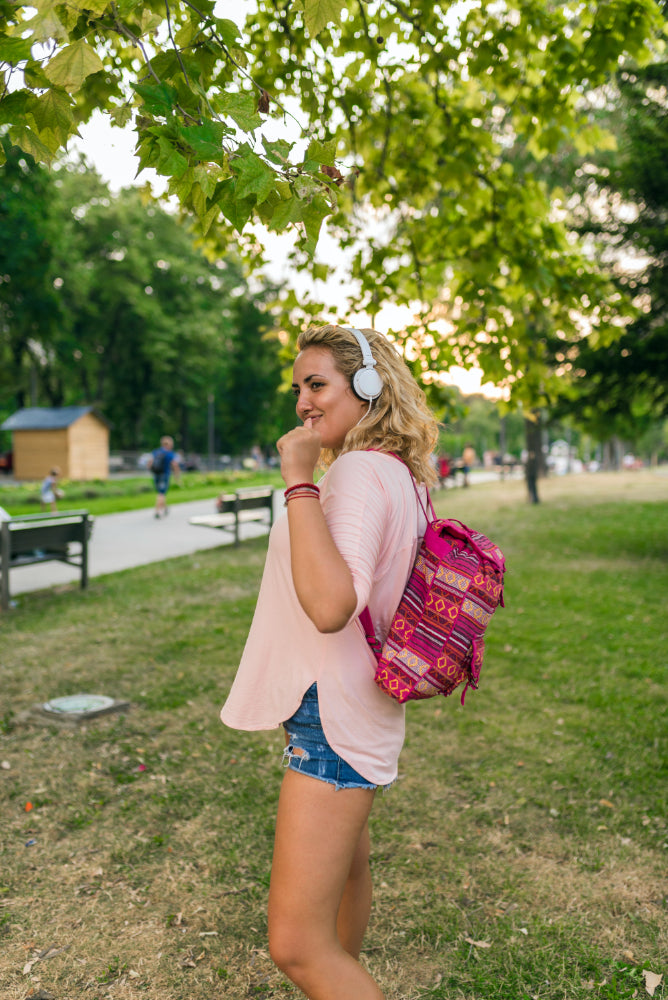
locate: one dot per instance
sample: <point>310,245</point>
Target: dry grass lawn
<point>521,855</point>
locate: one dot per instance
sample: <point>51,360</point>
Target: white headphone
<point>367,383</point>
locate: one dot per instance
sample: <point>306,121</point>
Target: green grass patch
<point>521,854</point>
<point>111,496</point>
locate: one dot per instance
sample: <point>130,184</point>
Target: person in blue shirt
<point>163,463</point>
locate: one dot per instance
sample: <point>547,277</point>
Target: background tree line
<point>459,153</point>
<point>107,300</point>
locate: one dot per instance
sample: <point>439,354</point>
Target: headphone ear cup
<point>367,383</point>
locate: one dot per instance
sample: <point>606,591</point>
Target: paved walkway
<point>134,538</point>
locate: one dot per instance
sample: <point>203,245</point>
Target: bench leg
<point>4,570</point>
<point>84,555</point>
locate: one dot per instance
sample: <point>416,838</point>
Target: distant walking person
<point>468,461</point>
<point>444,470</point>
<point>163,463</point>
<point>49,493</point>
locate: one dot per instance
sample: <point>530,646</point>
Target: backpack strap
<point>369,633</point>
<point>430,506</point>
<point>365,616</point>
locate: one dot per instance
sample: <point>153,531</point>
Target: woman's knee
<point>290,946</point>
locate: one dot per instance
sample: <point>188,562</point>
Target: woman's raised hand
<point>299,450</point>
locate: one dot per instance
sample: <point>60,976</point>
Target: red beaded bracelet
<point>311,487</point>
<point>301,490</point>
<point>301,493</point>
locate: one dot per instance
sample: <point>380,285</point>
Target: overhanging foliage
<point>421,129</point>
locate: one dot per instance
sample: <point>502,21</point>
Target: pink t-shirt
<point>372,512</point>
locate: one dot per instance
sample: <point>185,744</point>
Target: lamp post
<point>211,400</point>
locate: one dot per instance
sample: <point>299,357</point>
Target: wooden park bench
<point>38,538</point>
<point>249,504</point>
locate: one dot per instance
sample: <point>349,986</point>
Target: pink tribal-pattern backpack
<point>435,642</point>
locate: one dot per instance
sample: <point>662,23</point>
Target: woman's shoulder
<point>370,465</point>
<point>369,458</point>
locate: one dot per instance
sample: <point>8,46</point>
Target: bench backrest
<point>249,499</point>
<point>50,533</point>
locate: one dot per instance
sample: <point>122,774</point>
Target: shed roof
<point>44,418</point>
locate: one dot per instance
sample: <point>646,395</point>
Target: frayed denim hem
<point>332,771</point>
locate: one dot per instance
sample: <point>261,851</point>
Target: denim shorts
<point>161,483</point>
<point>317,759</point>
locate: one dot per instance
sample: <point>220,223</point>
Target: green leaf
<point>31,143</point>
<point>265,211</point>
<point>286,213</point>
<point>69,16</point>
<point>207,220</point>
<point>170,161</point>
<point>320,272</point>
<point>319,153</point>
<point>318,13</point>
<point>53,110</point>
<point>159,98</point>
<point>205,180</point>
<point>254,177</point>
<point>198,200</point>
<point>70,67</point>
<point>228,30</point>
<point>14,50</point>
<point>241,108</point>
<point>150,21</point>
<point>236,210</point>
<point>313,214</point>
<point>205,140</point>
<point>278,151</point>
<point>182,186</point>
<point>121,116</point>
<point>50,139</point>
<point>14,106</point>
<point>45,25</point>
<point>96,7</point>
<point>34,76</point>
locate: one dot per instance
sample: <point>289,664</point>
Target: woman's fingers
<point>299,450</point>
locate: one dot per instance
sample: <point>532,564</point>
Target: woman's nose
<point>303,406</point>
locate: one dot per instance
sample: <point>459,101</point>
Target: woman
<point>345,544</point>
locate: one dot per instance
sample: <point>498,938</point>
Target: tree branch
<point>174,45</point>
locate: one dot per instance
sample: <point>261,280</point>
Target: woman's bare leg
<point>355,908</point>
<point>321,841</point>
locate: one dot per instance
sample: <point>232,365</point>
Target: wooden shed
<point>75,438</point>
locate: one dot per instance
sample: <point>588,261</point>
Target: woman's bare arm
<point>322,579</point>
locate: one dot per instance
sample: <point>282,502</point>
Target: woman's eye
<point>316,385</point>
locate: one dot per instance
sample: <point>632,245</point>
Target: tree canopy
<point>620,202</point>
<point>416,129</point>
<point>107,300</point>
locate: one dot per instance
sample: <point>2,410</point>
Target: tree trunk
<point>534,466</point>
<point>612,451</point>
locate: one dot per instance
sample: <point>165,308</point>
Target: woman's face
<point>325,395</point>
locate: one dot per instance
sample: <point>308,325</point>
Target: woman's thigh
<point>318,832</point>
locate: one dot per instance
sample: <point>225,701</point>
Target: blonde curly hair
<point>399,420</point>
